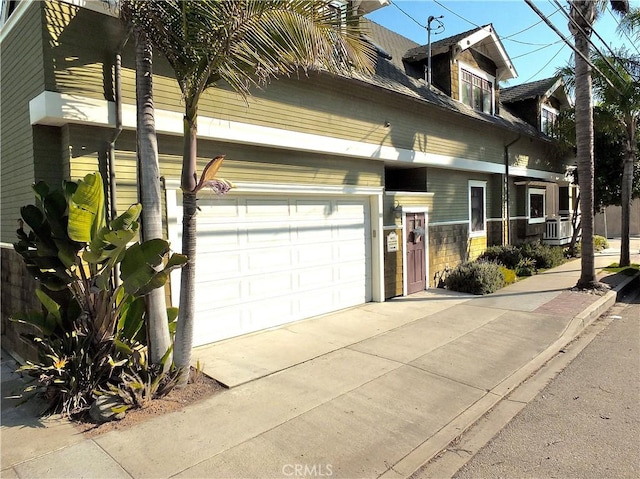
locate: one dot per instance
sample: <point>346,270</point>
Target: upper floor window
<point>336,12</point>
<point>7,7</point>
<point>548,118</point>
<point>476,89</point>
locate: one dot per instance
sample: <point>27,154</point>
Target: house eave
<point>56,109</point>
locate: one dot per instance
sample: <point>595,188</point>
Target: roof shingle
<point>396,74</point>
<point>527,90</point>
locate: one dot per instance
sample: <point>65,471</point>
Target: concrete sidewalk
<point>373,391</point>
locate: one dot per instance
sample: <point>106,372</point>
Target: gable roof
<point>483,39</point>
<point>544,88</point>
<point>402,77</point>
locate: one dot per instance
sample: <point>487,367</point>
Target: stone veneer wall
<point>523,232</point>
<point>448,246</point>
<point>17,295</point>
<point>393,266</point>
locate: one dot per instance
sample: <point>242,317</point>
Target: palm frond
<point>247,42</point>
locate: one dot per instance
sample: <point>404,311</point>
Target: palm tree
<point>583,15</point>
<point>242,43</point>
<point>616,86</point>
<point>630,23</point>
<point>621,107</point>
<point>158,338</point>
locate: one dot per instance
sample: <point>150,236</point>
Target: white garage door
<point>264,261</point>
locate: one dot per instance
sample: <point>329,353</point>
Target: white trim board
<point>291,188</point>
<point>56,109</point>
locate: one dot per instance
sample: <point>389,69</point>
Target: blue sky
<point>509,17</point>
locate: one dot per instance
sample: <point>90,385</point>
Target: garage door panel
<point>215,266</point>
<point>269,313</point>
<point>350,231</point>
<point>270,285</point>
<point>348,292</point>
<point>267,208</point>
<point>269,260</point>
<point>267,233</point>
<point>350,251</point>
<point>314,254</point>
<point>316,208</point>
<point>313,232</point>
<point>316,278</point>
<point>217,294</point>
<point>348,271</point>
<point>223,236</point>
<point>266,261</point>
<point>349,207</point>
<point>224,207</point>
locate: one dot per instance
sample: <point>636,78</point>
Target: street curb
<point>433,446</point>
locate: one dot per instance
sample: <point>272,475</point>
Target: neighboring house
<point>347,190</point>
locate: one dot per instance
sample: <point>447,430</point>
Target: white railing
<point>558,231</point>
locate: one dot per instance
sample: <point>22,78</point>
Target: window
<point>476,90</point>
<point>477,208</point>
<point>548,118</point>
<point>536,205</point>
<point>336,12</point>
<point>7,7</point>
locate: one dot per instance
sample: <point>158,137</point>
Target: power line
<point>508,37</point>
<point>454,13</point>
<point>533,44</point>
<point>536,50</point>
<point>560,34</point>
<point>587,37</point>
<point>592,29</point>
<point>413,19</point>
<point>546,64</point>
<point>615,19</point>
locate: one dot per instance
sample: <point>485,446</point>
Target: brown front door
<point>416,230</point>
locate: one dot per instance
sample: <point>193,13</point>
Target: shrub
<point>509,275</point>
<point>476,277</point>
<point>507,255</point>
<point>544,256</point>
<point>526,267</point>
<point>599,243</point>
<point>89,329</point>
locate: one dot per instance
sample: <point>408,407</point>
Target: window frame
<point>537,191</point>
<point>555,112</point>
<point>482,75</point>
<point>483,185</point>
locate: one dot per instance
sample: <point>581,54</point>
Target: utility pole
<point>429,20</point>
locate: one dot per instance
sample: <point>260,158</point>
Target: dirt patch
<point>200,388</point>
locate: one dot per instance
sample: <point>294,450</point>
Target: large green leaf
<point>51,306</point>
<point>44,323</point>
<point>131,320</point>
<point>87,209</point>
<point>137,269</point>
<point>128,219</point>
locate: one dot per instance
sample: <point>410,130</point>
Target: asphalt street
<point>585,423</point>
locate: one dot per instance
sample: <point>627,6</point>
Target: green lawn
<point>628,270</point>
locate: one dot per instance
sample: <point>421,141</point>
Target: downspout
<point>117,97</point>
<point>506,185</point>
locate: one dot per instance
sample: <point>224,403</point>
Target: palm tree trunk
<point>625,193</point>
<point>184,331</point>
<point>584,144</point>
<point>158,337</point>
